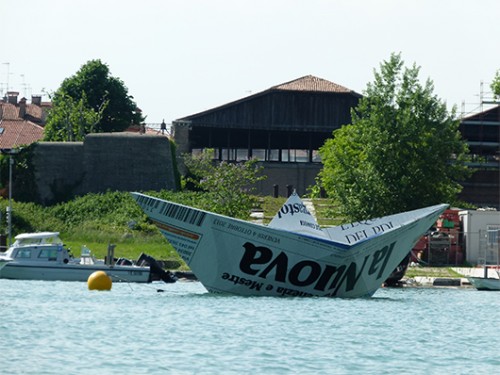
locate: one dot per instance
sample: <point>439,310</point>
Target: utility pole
<point>11,152</point>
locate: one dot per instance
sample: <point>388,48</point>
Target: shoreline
<point>446,281</point>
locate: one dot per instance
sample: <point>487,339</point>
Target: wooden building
<point>283,127</point>
<point>482,133</point>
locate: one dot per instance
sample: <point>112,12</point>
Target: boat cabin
<point>41,247</point>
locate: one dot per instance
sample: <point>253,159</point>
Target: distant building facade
<point>482,133</point>
<point>283,127</point>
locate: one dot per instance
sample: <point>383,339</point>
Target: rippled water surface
<point>63,328</point>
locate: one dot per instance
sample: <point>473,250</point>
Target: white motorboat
<point>482,283</point>
<point>43,256</point>
<point>486,283</point>
<point>4,261</point>
<point>293,255</point>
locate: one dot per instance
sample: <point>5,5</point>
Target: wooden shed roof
<point>304,84</point>
<point>491,115</point>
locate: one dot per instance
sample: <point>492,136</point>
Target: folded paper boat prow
<point>228,255</point>
<point>294,216</point>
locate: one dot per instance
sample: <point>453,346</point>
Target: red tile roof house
<point>21,123</point>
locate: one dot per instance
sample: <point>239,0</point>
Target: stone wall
<point>109,161</point>
<point>58,169</point>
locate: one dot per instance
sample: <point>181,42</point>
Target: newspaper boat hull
<point>234,256</point>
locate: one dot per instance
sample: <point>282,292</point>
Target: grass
<point>326,212</point>
<point>446,272</point>
<point>270,206</point>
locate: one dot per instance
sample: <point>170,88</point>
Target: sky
<point>181,57</point>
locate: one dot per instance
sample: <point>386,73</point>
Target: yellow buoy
<point>99,280</point>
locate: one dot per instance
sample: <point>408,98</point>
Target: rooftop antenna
<point>24,85</point>
<point>8,74</point>
<point>481,96</point>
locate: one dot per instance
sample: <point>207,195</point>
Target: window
<point>24,253</point>
<point>241,154</point>
<point>259,154</point>
<point>50,254</point>
<point>492,235</point>
<point>285,155</point>
<point>316,157</point>
<point>228,154</point>
<point>300,156</point>
<point>274,155</point>
<point>295,156</point>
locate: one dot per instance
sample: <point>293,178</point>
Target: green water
<point>63,328</point>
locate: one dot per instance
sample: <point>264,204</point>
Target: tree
<point>71,120</point>
<point>402,150</point>
<point>495,85</point>
<point>93,91</point>
<point>228,185</point>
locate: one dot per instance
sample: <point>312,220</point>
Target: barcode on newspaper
<point>181,213</point>
<point>184,214</point>
<point>148,202</point>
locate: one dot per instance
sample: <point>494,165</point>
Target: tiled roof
<point>146,130</point>
<point>14,133</point>
<point>35,111</point>
<point>304,84</point>
<point>9,111</point>
<point>311,83</point>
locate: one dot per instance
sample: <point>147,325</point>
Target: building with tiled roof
<point>283,126</point>
<point>21,123</point>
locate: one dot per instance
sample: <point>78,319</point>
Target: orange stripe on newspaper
<point>177,231</point>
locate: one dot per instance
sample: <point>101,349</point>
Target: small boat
<point>486,283</point>
<point>4,261</point>
<point>292,255</point>
<point>43,256</point>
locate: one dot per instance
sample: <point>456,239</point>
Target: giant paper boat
<point>293,255</point>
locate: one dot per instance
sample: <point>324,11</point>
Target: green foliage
<point>228,185</point>
<point>173,151</point>
<point>23,174</point>
<point>495,85</point>
<point>101,211</point>
<point>402,151</point>
<point>90,101</point>
<point>28,217</point>
<point>71,119</point>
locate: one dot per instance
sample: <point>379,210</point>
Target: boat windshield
<point>38,240</point>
